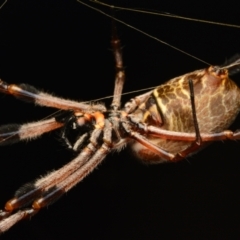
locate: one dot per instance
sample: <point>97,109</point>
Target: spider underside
<point>166,124</point>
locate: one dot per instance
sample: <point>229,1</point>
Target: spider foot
<point>8,220</point>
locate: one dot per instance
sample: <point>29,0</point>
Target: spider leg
<point>176,136</point>
<point>12,133</point>
<point>11,220</point>
<point>145,142</point>
<point>30,94</point>
<point>68,182</point>
<point>120,73</point>
<point>49,188</point>
<point>198,141</point>
<point>73,179</point>
<point>131,105</point>
<point>57,191</point>
<point>189,137</point>
<point>29,192</point>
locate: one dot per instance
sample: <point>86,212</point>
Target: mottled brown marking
<point>217,102</point>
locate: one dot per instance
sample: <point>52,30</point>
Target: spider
<point>169,123</point>
<point>126,128</point>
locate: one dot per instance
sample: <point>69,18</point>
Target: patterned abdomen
<point>169,107</point>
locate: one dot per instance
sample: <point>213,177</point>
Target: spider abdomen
<point>169,107</point>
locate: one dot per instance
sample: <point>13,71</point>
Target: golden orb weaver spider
<point>102,90</point>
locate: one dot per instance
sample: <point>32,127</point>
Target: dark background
<point>64,48</point>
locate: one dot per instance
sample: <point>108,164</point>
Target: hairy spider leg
<point>49,188</point>
<point>120,73</point>
<point>29,93</point>
<point>12,133</point>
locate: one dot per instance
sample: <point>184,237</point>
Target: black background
<point>64,47</point>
